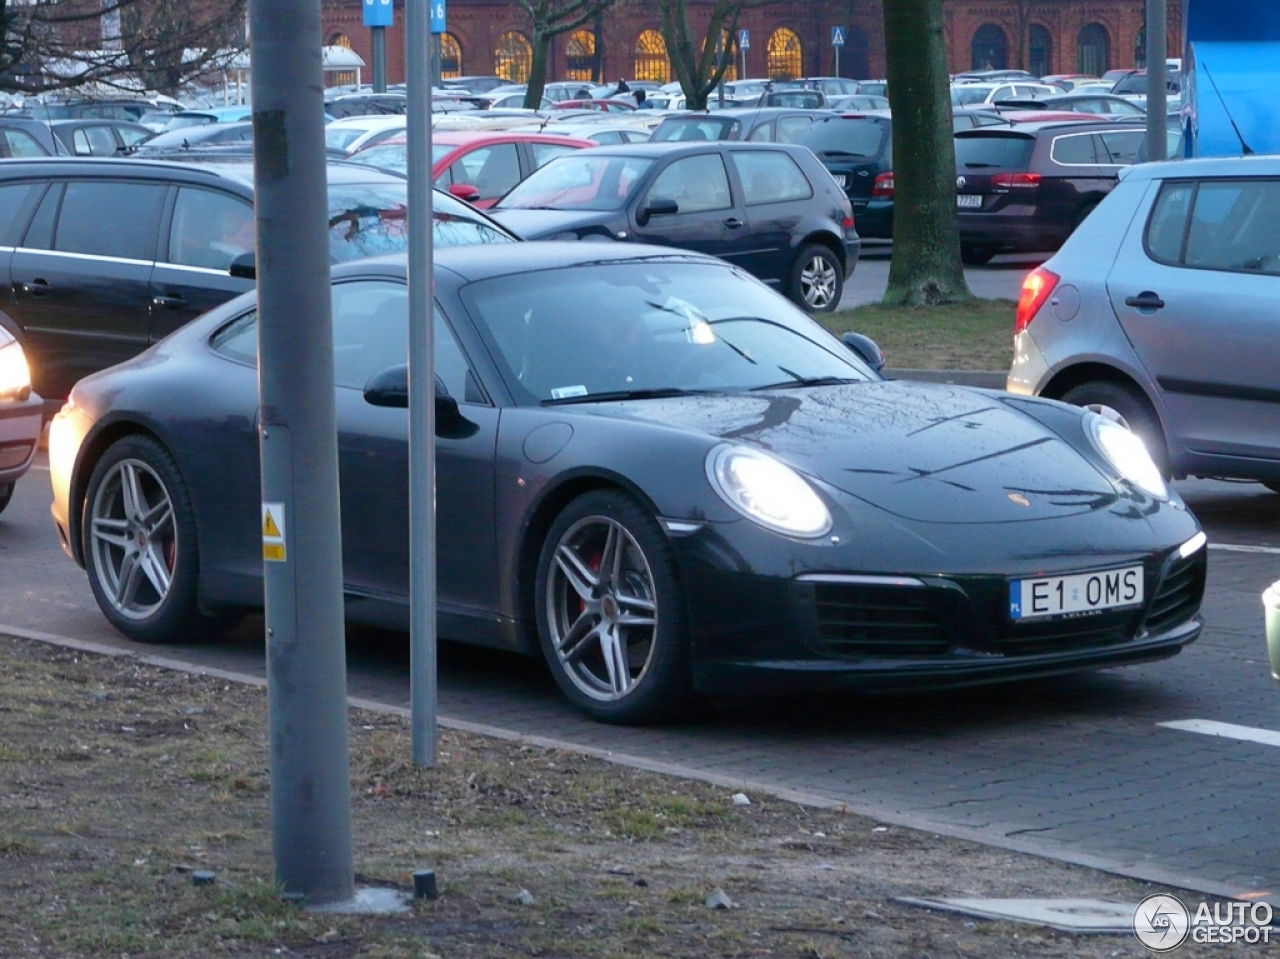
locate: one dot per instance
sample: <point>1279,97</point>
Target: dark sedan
<point>769,208</point>
<point>656,472</point>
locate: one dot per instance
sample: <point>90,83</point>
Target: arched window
<point>1094,50</point>
<point>512,57</point>
<point>651,58</point>
<point>1140,48</point>
<point>855,58</point>
<point>786,56</point>
<point>990,48</point>
<point>580,56</point>
<point>340,40</point>
<point>1040,51</point>
<point>450,56</point>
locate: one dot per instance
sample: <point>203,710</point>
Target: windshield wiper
<point>844,153</point>
<point>808,381</point>
<point>614,396</point>
<point>980,166</point>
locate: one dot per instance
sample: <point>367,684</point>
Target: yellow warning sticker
<point>273,532</point>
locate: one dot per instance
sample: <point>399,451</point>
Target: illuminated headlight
<point>15,377</point>
<point>767,492</point>
<point>1126,452</point>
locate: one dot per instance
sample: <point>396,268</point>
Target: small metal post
<point>1157,77</point>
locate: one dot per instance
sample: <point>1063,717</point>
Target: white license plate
<point>969,201</point>
<point>1081,593</point>
<point>842,180</point>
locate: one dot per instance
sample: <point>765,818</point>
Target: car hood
<point>540,224</point>
<point>925,452</point>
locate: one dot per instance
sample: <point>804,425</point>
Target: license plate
<point>842,180</point>
<point>1081,593</point>
<point>969,201</point>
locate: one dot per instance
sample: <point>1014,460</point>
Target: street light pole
<point>1157,77</point>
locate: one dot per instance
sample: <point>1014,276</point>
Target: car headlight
<point>15,377</point>
<point>768,492</point>
<point>1124,450</point>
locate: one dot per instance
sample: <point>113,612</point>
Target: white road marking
<point>1228,548</point>
<point>1208,727</point>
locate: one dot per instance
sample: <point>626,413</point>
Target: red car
<point>478,166</point>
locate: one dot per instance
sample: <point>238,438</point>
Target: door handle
<point>1146,300</point>
<point>37,287</point>
<point>172,302</point>
<point>733,223</point>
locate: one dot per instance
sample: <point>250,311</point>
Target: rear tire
<point>1125,405</point>
<point>976,254</point>
<point>6,494</point>
<point>817,279</point>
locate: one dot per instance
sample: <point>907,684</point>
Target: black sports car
<point>658,472</point>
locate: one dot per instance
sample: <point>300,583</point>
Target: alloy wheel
<point>133,539</point>
<point>818,282</point>
<point>602,608</point>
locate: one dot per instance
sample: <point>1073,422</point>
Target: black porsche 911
<point>656,471</point>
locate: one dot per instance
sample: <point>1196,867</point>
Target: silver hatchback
<point>1162,311</point>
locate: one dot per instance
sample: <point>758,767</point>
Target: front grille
<point>1068,635</point>
<point>858,619</point>
<point>1180,593</point>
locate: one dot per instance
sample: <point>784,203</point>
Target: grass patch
<point>974,335</point>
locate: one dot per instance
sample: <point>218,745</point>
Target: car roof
<point>1236,166</point>
<point>238,169</point>
<point>652,149</point>
<point>469,137</point>
<point>1030,123</point>
<point>732,112</point>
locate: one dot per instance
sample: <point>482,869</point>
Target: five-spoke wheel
<point>611,628</point>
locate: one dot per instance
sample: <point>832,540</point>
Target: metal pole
<point>379,36</point>
<point>302,536</point>
<point>1157,74</point>
<point>837,50</point>
<point>422,407</point>
<point>744,64</point>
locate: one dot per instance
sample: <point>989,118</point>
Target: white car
<point>21,416</point>
<point>354,133</point>
<point>982,94</point>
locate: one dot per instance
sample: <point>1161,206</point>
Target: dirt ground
<point>118,780</point>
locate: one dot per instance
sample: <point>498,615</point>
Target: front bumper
<point>20,424</point>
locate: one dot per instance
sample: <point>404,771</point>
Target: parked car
<point>655,473</point>
<point>1069,80</point>
<point>1160,312</point>
<point>355,133</point>
<point>364,104</point>
<point>601,134</point>
<point>122,108</point>
<point>1098,104</point>
<point>992,76</point>
<point>979,94</point>
<point>597,106</point>
<point>22,137</point>
<point>767,207</point>
<point>1029,186</point>
<point>99,138</point>
<point>767,125</point>
<point>796,99</point>
<point>195,137</point>
<point>511,101</point>
<point>476,166</point>
<point>106,256</point>
<point>473,84</point>
<point>240,113</point>
<point>876,88</point>
<point>857,103</point>
<point>857,150</point>
<point>21,414</point>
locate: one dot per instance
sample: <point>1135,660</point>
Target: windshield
<point>579,181</point>
<point>339,139</point>
<point>855,137</point>
<point>668,327</point>
<point>695,128</point>
<point>969,95</point>
<point>395,156</point>
<point>188,120</point>
<point>369,219</point>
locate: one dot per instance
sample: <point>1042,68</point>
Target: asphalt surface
<point>999,279</point>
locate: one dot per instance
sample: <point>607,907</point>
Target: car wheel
<point>140,543</point>
<point>1124,405</point>
<point>6,494</point>
<point>976,254</point>
<point>609,612</point>
<point>817,279</point>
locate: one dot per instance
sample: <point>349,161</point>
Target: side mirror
<point>464,191</point>
<point>866,349</point>
<point>657,206</point>
<point>390,388</point>
<point>244,267</point>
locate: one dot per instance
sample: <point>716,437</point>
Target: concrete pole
<point>422,395</point>
<point>1157,97</point>
<point>306,661</point>
<point>379,37</point>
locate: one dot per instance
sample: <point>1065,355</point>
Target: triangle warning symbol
<point>269,527</point>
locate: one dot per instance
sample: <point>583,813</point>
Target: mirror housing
<point>866,349</point>
<point>464,191</point>
<point>390,388</point>
<point>657,206</point>
<point>244,267</point>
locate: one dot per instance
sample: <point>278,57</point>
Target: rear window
<point>696,128</point>
<point>847,135</point>
<point>996,151</point>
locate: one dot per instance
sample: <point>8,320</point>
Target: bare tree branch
<point>551,18</point>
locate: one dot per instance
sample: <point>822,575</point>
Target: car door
<point>206,230</point>
<point>16,202</point>
<point>709,218</point>
<point>82,277</point>
<point>1196,293</point>
<point>774,191</point>
<point>370,332</point>
<point>492,168</point>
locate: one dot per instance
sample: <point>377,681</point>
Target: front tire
<point>609,612</point>
<point>1124,405</point>
<point>976,254</point>
<point>140,544</point>
<point>817,279</point>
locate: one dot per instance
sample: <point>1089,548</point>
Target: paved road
<point>1076,769</point>
<point>999,279</point>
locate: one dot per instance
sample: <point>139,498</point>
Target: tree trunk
<point>538,69</point>
<point>926,245</point>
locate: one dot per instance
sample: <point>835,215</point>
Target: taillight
<point>1017,181</point>
<point>1035,290</point>
<point>883,185</point>
<point>847,222</point>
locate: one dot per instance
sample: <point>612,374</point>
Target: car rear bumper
<point>1019,227</point>
<point>874,218</point>
<point>20,426</point>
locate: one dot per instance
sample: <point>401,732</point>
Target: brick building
<point>785,39</point>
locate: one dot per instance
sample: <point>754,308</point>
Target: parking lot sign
<point>378,13</point>
<point>437,16</point>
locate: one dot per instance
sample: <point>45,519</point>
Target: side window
<point>19,143</point>
<point>770,177</point>
<point>544,153</point>
<point>791,128</point>
<point>608,138</point>
<point>40,232</point>
<point>13,201</point>
<point>130,136</point>
<point>110,218</point>
<point>80,143</point>
<point>1074,150</point>
<point>209,229</point>
<point>1233,227</point>
<point>696,183</point>
<point>1120,148</point>
<point>94,141</point>
<point>1167,225</point>
<point>762,134</point>
<point>492,170</point>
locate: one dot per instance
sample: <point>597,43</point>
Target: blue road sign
<point>837,36</point>
<point>744,39</point>
<point>437,16</point>
<point>379,13</point>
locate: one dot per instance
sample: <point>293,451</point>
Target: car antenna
<point>1248,150</point>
